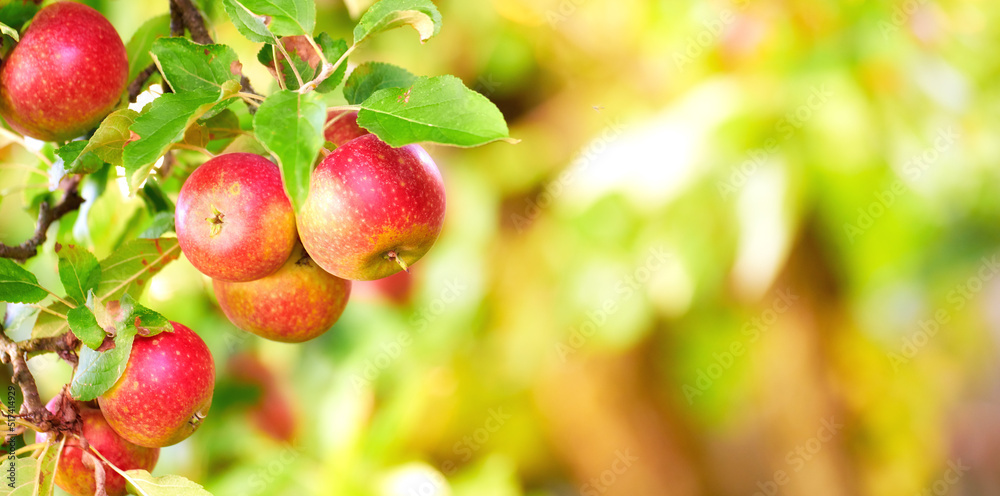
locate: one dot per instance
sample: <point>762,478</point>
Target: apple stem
<point>396,258</point>
<point>216,221</point>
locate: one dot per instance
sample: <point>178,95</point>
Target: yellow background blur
<point>743,248</point>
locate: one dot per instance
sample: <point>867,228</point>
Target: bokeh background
<point>744,247</point>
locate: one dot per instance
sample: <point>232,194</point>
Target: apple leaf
<point>162,222</point>
<point>370,77</point>
<point>130,267</point>
<point>85,327</point>
<point>98,371</point>
<point>79,271</point>
<point>25,469</point>
<point>77,160</point>
<point>144,484</point>
<point>284,18</point>
<point>188,66</point>
<point>390,14</point>
<point>9,31</point>
<point>110,139</point>
<point>17,285</point>
<point>305,60</point>
<point>141,43</point>
<point>163,122</point>
<point>48,463</point>
<point>290,126</point>
<point>439,109</point>
<point>17,12</point>
<point>250,25</point>
<point>332,50</point>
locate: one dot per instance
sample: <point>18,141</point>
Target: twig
<point>135,87</point>
<point>46,216</point>
<point>194,21</point>
<point>10,353</point>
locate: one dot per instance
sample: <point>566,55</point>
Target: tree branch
<point>46,216</point>
<point>135,87</point>
<point>193,20</point>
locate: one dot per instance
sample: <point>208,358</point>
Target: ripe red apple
<point>297,303</point>
<point>272,414</point>
<point>372,209</point>
<point>67,73</point>
<point>343,128</point>
<point>234,221</point>
<point>165,391</point>
<point>76,478</point>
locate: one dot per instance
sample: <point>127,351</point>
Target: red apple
<point>165,391</point>
<point>343,128</point>
<point>297,303</point>
<point>372,209</point>
<point>66,74</point>
<point>76,478</point>
<point>234,221</point>
<point>273,414</point>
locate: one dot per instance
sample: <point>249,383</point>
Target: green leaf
<point>149,322</point>
<point>439,109</point>
<point>370,77</point>
<point>290,126</point>
<point>332,50</point>
<point>48,463</point>
<point>25,471</point>
<point>17,285</point>
<point>110,139</point>
<point>247,23</point>
<point>9,31</point>
<point>286,17</point>
<point>129,268</point>
<point>390,14</point>
<point>79,271</point>
<point>162,222</point>
<point>188,66</point>
<point>98,371</point>
<point>77,160</point>
<point>15,13</point>
<point>163,123</point>
<point>141,43</point>
<point>144,484</point>
<point>85,327</point>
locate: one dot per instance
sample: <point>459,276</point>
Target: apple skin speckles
<point>363,210</point>
<point>67,73</point>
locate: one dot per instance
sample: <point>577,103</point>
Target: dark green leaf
<point>84,325</point>
<point>141,43</point>
<point>389,14</point>
<point>290,126</point>
<point>332,50</point>
<point>15,13</point>
<point>370,77</point>
<point>79,271</point>
<point>439,109</point>
<point>188,66</point>
<point>17,285</point>
<point>163,123</point>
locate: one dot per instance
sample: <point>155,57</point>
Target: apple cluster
<point>372,210</point>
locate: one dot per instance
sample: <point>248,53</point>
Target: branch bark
<point>46,216</point>
<point>135,87</point>
<point>193,20</point>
